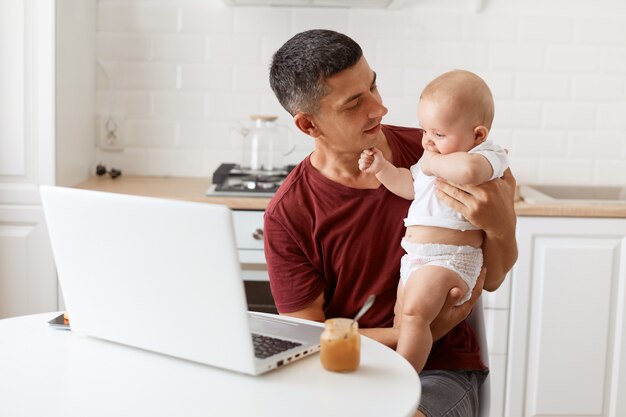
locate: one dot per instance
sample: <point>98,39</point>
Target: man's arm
<point>488,206</point>
<point>314,311</point>
<point>449,316</point>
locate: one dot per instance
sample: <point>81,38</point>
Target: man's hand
<point>488,206</point>
<point>451,314</point>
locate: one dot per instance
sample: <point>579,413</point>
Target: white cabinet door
<point>567,319</point>
<point>27,274</point>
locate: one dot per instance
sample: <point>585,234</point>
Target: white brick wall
<point>183,72</point>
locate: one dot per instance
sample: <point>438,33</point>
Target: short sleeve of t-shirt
<point>496,156</point>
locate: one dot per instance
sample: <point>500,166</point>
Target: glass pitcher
<point>266,144</point>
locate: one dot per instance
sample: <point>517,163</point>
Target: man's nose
<point>377,110</point>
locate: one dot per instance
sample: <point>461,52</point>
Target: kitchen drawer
<point>248,229</point>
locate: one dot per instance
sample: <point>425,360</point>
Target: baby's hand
<point>371,161</point>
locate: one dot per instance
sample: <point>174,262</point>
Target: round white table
<point>51,372</point>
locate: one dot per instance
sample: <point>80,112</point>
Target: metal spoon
<point>368,303</point>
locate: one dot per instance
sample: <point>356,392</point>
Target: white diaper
<point>466,261</point>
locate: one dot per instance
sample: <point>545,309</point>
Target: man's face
<point>349,116</point>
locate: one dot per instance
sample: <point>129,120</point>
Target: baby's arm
<point>458,167</point>
<point>397,180</point>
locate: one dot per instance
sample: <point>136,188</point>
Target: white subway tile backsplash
<point>594,88</point>
<point>149,133</point>
<point>595,145</point>
<point>454,55</point>
<point>262,21</point>
<point>129,104</point>
<point>147,76</point>
<point>600,30</point>
<point>434,26</point>
<point>544,29</point>
<point>176,162</point>
<point>209,18</point>
<point>613,59</point>
<point>516,57</point>
<point>125,47</point>
<point>539,143</point>
<point>566,171</point>
<point>487,27</point>
<point>371,23</point>
<point>502,85</point>
<point>572,58</point>
<point>180,48</point>
<point>270,105</point>
<point>391,81</point>
<point>526,170</point>
<point>178,106</point>
<point>269,45</point>
<point>204,134</point>
<point>211,77</point>
<point>304,18</point>
<point>569,115</point>
<point>252,79</point>
<point>183,72</point>
<point>612,116</point>
<point>414,81</point>
<point>397,53</point>
<point>137,17</point>
<point>402,110</point>
<point>518,114</point>
<point>223,106</point>
<point>234,50</point>
<point>543,86</point>
<point>610,172</point>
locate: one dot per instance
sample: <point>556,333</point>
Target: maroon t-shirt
<point>321,236</point>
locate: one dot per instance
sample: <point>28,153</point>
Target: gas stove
<point>232,180</point>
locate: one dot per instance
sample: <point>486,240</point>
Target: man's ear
<point>480,134</point>
<point>305,123</point>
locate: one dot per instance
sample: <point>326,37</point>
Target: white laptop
<point>163,275</point>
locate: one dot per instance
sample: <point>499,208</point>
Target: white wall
<point>183,72</point>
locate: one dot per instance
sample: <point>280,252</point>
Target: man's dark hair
<point>302,65</point>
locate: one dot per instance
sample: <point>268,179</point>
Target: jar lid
<point>263,117</point>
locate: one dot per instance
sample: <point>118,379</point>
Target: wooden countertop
<point>570,210</point>
<point>179,188</point>
<point>194,189</point>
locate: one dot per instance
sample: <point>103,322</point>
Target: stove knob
<point>258,234</point>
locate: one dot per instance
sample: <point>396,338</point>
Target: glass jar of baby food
<point>340,345</point>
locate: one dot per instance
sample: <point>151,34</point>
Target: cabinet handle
<point>258,234</point>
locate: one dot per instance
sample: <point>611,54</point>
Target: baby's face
<point>445,129</point>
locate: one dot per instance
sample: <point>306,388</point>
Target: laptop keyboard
<point>265,346</point>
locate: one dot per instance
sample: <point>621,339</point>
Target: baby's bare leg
<point>423,296</point>
<point>397,308</point>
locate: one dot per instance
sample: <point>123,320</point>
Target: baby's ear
<point>480,134</point>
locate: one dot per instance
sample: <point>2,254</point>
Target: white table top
<point>50,372</point>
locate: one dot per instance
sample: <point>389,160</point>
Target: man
<point>332,233</point>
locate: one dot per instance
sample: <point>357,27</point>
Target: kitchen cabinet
<point>567,326</point>
<point>47,108</point>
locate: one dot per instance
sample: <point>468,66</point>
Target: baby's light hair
<point>464,90</point>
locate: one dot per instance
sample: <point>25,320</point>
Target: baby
<point>443,250</point>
